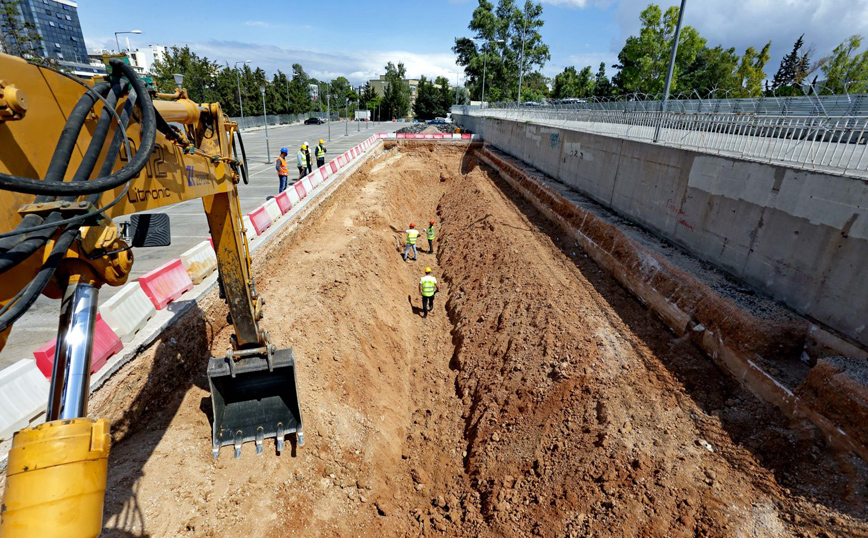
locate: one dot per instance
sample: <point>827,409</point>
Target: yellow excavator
<point>74,156</point>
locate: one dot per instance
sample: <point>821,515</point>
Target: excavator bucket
<point>254,399</point>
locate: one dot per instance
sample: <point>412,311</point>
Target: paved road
<point>189,225</point>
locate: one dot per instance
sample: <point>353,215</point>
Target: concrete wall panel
<point>800,236</point>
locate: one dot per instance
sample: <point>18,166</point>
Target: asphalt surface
<point>188,222</point>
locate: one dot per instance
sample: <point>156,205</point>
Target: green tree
<point>570,83</point>
<point>846,70</point>
<point>713,69</point>
<point>445,95</point>
<point>199,73</point>
<point>299,91</point>
<point>427,105</point>
<point>751,72</point>
<point>495,51</point>
<point>602,86</point>
<point>396,101</point>
<point>644,60</point>
<point>794,69</point>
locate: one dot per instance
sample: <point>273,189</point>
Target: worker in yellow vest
<point>282,169</point>
<point>429,234</point>
<point>412,235</point>
<point>307,158</point>
<point>428,287</point>
<point>320,154</point>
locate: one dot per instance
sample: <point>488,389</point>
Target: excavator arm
<point>73,157</point>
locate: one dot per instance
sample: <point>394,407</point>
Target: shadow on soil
<point>180,362</point>
<point>794,453</point>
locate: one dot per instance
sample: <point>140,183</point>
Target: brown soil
<point>538,399</point>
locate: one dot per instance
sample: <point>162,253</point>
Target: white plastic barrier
<point>456,137</point>
<point>273,209</point>
<point>200,261</point>
<point>307,186</point>
<point>129,309</point>
<point>315,178</point>
<point>293,196</point>
<point>23,396</point>
<point>248,225</point>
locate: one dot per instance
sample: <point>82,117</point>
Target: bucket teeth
<point>300,435</point>
<point>238,442</point>
<point>260,436</point>
<point>280,438</point>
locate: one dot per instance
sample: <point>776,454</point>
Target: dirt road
<point>537,399</point>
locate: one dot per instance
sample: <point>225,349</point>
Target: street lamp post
<point>486,46</point>
<point>265,114</point>
<point>671,68</point>
<point>347,124</point>
<point>127,32</point>
<point>329,112</point>
<point>238,80</point>
<point>521,63</point>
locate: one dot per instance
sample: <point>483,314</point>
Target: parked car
<point>314,121</point>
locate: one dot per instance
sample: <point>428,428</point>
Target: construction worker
<point>282,169</point>
<point>301,162</point>
<point>307,158</point>
<point>412,234</point>
<point>428,287</point>
<point>429,234</point>
<point>320,154</point>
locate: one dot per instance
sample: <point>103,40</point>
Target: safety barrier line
<point>166,283</point>
<point>260,219</point>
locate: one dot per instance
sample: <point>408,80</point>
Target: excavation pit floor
<point>539,398</point>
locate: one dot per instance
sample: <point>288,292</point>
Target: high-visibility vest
<point>283,170</point>
<point>411,236</point>
<point>320,152</point>
<point>429,285</point>
<point>301,159</point>
<point>430,232</point>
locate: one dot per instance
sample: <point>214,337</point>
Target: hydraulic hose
<point>101,184</point>
<point>243,156</point>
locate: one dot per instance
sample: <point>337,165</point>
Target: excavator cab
<point>254,398</point>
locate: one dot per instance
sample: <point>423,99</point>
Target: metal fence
<point>250,122</point>
<point>829,143</point>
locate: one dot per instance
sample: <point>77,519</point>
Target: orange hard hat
<point>412,225</point>
<point>431,221</point>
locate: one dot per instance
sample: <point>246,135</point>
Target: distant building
<point>60,37</point>
<point>143,59</point>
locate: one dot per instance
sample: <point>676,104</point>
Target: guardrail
<point>835,144</point>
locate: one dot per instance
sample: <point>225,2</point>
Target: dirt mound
<point>537,399</point>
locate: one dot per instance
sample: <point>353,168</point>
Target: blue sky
<point>356,39</point>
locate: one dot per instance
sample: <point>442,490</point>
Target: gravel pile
<point>417,128</point>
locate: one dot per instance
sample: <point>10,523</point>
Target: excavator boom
<point>73,157</point>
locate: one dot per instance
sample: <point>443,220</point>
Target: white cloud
<point>260,24</point>
<point>357,65</point>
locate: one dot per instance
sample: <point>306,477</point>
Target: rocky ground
<point>539,398</point>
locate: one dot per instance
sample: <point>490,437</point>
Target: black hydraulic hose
<point>34,230</point>
<point>133,167</point>
<point>34,288</point>
<point>243,156</point>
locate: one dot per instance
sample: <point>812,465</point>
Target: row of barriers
<point>427,136</point>
<point>24,385</point>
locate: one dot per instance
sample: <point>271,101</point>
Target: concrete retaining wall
<point>799,236</point>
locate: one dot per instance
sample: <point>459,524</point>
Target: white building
<point>143,59</point>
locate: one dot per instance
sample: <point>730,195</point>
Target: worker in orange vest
<point>282,169</point>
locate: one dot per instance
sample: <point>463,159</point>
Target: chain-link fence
<point>250,122</point>
<point>797,131</point>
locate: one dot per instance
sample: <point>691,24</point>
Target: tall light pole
<point>486,47</point>
<point>671,68</point>
<point>127,32</point>
<point>521,63</point>
<point>238,80</point>
<point>329,112</point>
<point>265,114</point>
<point>347,124</point>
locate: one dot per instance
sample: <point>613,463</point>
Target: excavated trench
<point>539,398</point>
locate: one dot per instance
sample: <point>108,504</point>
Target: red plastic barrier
<point>381,135</point>
<point>438,136</point>
<point>105,344</point>
<point>342,161</point>
<point>325,172</point>
<point>283,202</point>
<point>334,166</point>
<point>299,188</point>
<point>167,282</point>
<point>355,152</point>
<point>402,135</point>
<point>260,219</point>
<point>466,136</point>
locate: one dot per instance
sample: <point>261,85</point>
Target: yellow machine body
<point>56,474</point>
<point>55,480</point>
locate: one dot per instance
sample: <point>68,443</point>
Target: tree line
<point>506,51</point>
